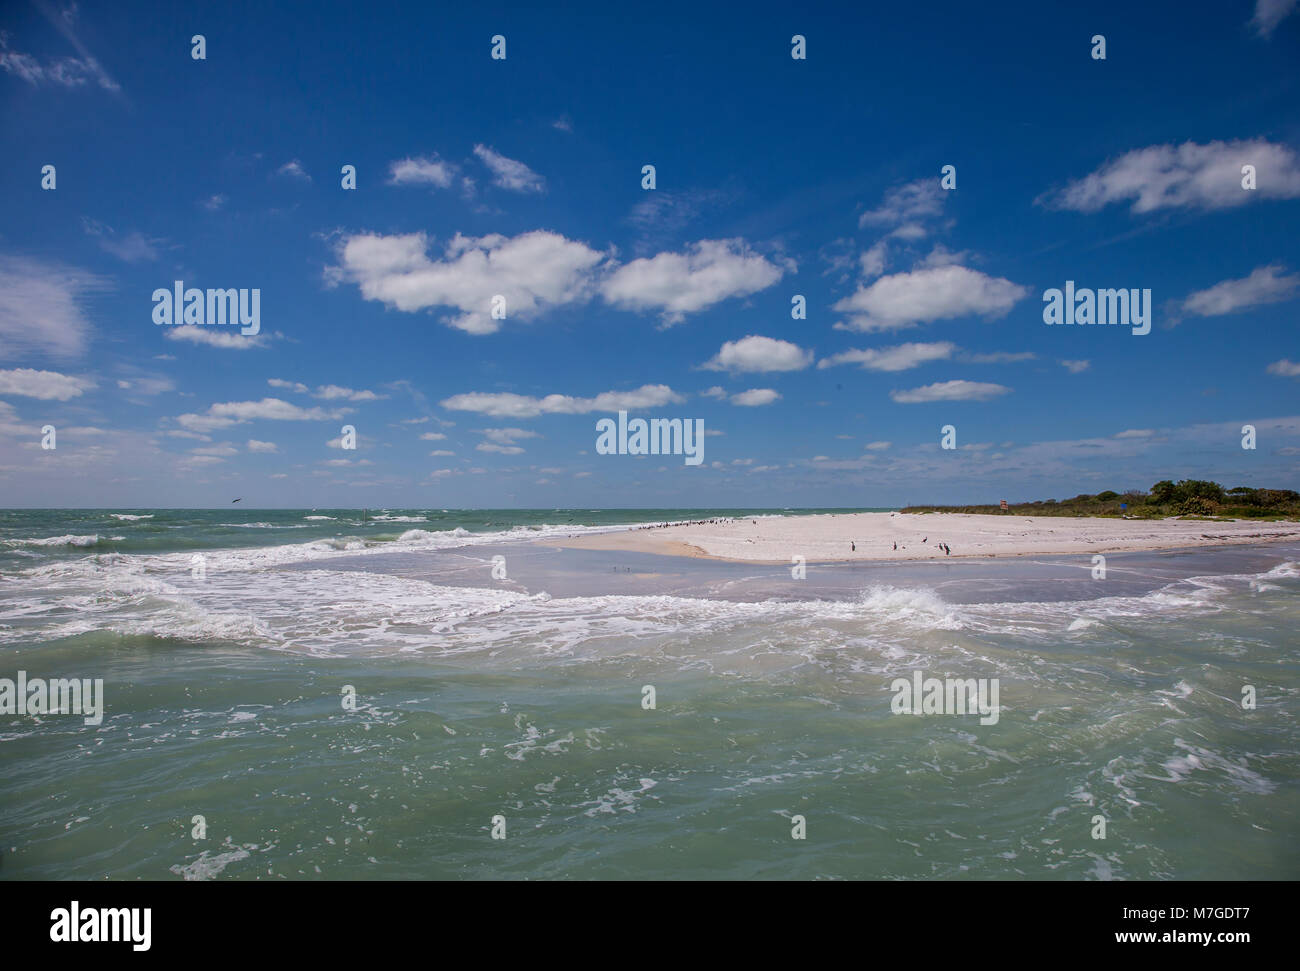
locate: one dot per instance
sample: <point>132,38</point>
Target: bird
<point>233,501</point>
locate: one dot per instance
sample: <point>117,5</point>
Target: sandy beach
<point>872,536</point>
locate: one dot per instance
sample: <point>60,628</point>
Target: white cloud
<point>999,357</point>
<point>1135,433</point>
<point>905,203</point>
<point>147,384</point>
<point>42,308</point>
<point>45,385</point>
<point>494,447</point>
<point>509,405</point>
<point>714,392</point>
<point>333,392</point>
<point>224,450</point>
<point>441,451</point>
<point>1265,285</point>
<point>432,437</point>
<point>899,358</point>
<point>296,386</point>
<point>225,414</point>
<point>754,353</point>
<point>949,391</point>
<point>508,173</point>
<point>506,436</point>
<point>67,72</point>
<point>1076,367</point>
<point>293,170</point>
<point>134,247</point>
<point>1270,13</point>
<point>429,170</point>
<point>921,296</point>
<point>534,271</point>
<point>677,284</point>
<point>255,446</point>
<point>877,446</point>
<point>1285,368</point>
<point>1185,176</point>
<point>755,397</point>
<point>942,256</point>
<point>230,340</point>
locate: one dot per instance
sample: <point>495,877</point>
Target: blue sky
<point>522,177</point>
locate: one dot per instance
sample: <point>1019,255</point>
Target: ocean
<point>444,694</point>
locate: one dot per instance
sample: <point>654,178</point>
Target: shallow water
<point>521,697</point>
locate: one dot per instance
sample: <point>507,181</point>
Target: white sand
<point>823,538</point>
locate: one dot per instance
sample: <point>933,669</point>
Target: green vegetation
<point>1193,498</point>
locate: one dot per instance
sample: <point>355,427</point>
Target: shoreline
<point>870,537</point>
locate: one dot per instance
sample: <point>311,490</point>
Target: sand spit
<point>873,535</point>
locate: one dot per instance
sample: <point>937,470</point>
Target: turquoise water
<point>521,698</point>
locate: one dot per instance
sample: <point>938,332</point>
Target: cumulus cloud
<point>925,295</point>
<point>45,385</point>
<point>1265,285</point>
<point>754,353</point>
<point>296,386</point>
<point>949,391</point>
<point>534,271</point>
<point>509,405</point>
<point>1189,176</point>
<point>230,340</point>
<point>333,392</point>
<point>508,173</point>
<point>225,414</point>
<point>256,446</point>
<point>506,436</point>
<point>754,397</point>
<point>426,170</point>
<point>899,358</point>
<point>1076,367</point>
<point>677,284</point>
<point>1285,368</point>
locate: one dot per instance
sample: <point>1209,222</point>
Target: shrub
<point>1197,506</point>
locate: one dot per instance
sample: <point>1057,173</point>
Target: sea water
<point>332,695</point>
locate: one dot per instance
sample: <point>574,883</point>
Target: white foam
<point>65,540</point>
